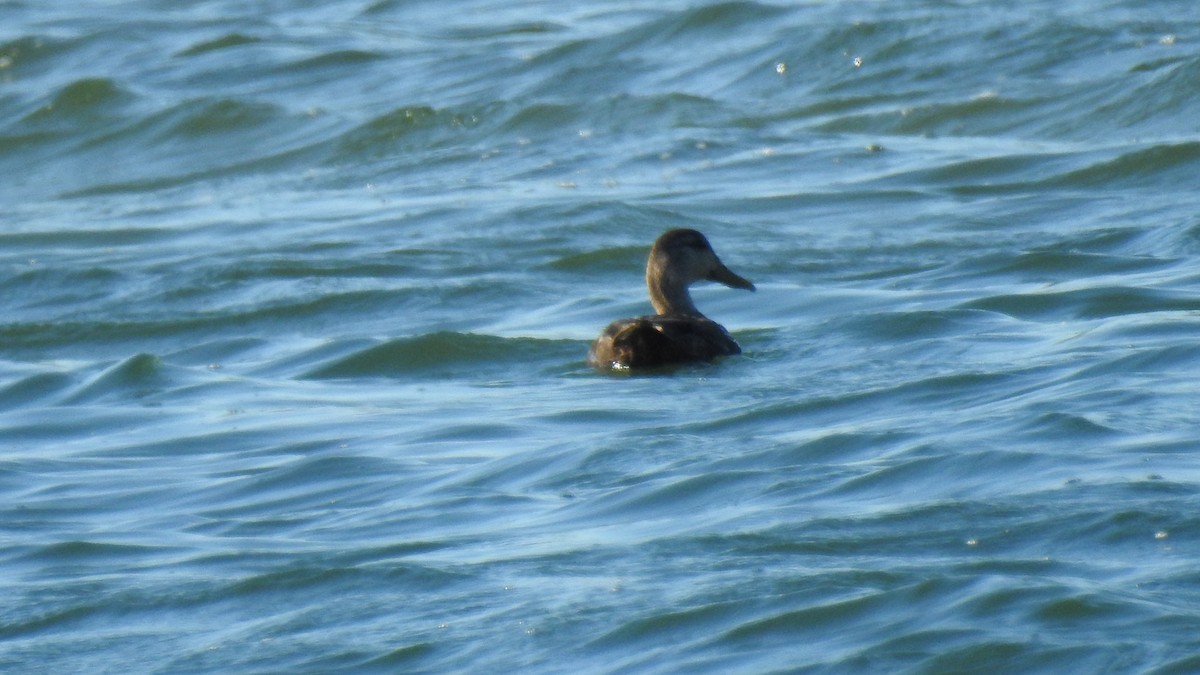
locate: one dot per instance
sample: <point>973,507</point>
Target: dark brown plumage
<point>678,333</point>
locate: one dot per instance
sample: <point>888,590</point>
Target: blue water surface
<point>295,299</point>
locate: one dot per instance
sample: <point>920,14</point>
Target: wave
<point>136,377</point>
<point>88,96</point>
<point>1086,303</point>
<point>443,352</point>
<point>228,41</point>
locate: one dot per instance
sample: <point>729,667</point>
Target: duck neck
<point>668,294</point>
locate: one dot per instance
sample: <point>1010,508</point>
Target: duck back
<point>650,341</point>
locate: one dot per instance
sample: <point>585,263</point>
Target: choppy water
<point>296,297</point>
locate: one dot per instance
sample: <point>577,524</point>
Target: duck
<point>677,333</point>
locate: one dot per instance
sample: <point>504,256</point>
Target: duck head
<point>679,258</point>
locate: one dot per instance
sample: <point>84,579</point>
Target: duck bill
<point>726,276</point>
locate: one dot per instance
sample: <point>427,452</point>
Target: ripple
<point>1139,167</point>
<point>439,352</point>
<point>231,40</point>
<point>415,126</point>
<point>83,97</point>
<point>35,388</point>
<point>1086,303</point>
<point>138,376</point>
<point>201,118</point>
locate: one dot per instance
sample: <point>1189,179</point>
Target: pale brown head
<point>679,258</point>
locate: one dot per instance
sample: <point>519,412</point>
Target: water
<point>296,298</point>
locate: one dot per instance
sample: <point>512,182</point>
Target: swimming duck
<point>678,333</point>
